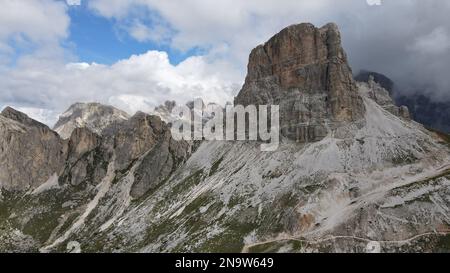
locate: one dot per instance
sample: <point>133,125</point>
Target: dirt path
<point>246,248</point>
<point>370,195</point>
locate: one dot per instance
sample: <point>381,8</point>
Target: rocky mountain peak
<point>304,69</point>
<point>20,117</point>
<point>164,111</point>
<point>94,116</point>
<point>380,95</point>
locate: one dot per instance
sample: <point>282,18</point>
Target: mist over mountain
<point>423,106</point>
<point>434,114</point>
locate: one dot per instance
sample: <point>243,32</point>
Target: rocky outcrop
<point>148,138</point>
<point>87,158</point>
<point>304,70</point>
<point>131,139</point>
<point>30,153</point>
<point>82,141</point>
<point>159,164</point>
<point>382,80</point>
<point>382,96</point>
<point>94,116</point>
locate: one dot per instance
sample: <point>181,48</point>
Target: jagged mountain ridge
<point>433,114</point>
<point>380,177</point>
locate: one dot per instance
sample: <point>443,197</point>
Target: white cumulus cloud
<point>38,21</point>
<point>138,83</point>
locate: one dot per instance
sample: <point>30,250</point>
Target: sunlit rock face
<point>304,70</point>
<point>30,152</point>
<point>94,116</point>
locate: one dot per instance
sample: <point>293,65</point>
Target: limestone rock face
<point>304,70</point>
<point>146,138</point>
<point>86,158</point>
<point>158,164</point>
<point>30,153</point>
<point>380,95</point>
<point>82,141</point>
<point>132,138</point>
<point>94,116</point>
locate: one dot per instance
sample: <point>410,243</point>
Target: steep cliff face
<point>30,153</point>
<point>86,160</point>
<point>149,138</point>
<point>304,69</point>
